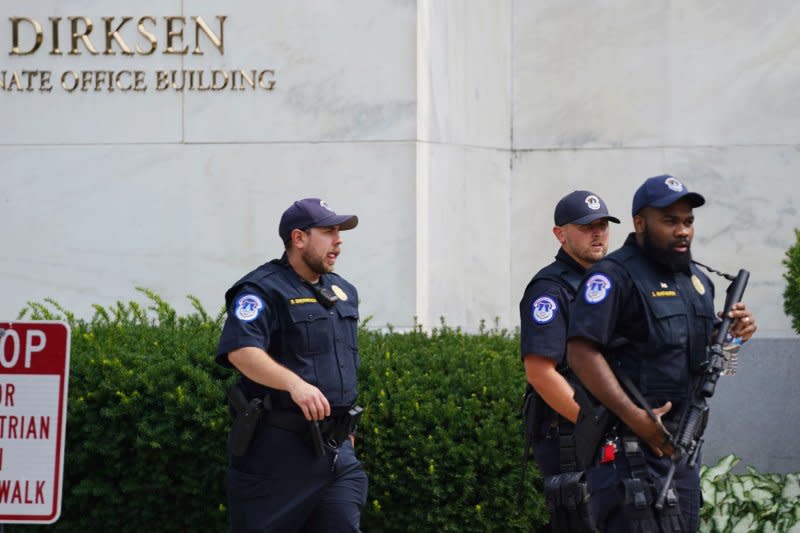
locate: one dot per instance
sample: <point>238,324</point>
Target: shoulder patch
<point>544,309</point>
<point>597,288</point>
<point>248,307</point>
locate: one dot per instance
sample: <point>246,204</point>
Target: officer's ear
<point>639,223</point>
<point>558,231</point>
<point>297,238</point>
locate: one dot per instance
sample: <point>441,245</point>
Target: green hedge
<point>440,438</point>
<point>145,420</point>
<point>791,295</point>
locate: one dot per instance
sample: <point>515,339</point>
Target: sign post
<point>34,374</point>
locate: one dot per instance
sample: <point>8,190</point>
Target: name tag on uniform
<point>662,294</point>
<point>297,301</point>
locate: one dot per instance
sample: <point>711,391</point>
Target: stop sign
<point>34,373</point>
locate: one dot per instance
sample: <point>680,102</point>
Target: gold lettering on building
<point>27,35</point>
<point>147,35</point>
<point>81,36</point>
<point>114,36</point>
<point>126,36</point>
<point>37,28</point>
<point>54,22</point>
<point>216,40</point>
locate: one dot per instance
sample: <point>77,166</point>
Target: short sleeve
<point>596,308</point>
<point>544,315</point>
<point>248,323</point>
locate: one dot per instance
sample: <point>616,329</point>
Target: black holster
<point>594,422</point>
<point>334,430</point>
<point>246,417</point>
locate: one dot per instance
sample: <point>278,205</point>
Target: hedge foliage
<point>441,436</point>
<point>145,420</point>
<point>791,295</point>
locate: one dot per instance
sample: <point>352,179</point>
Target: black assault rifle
<point>689,438</point>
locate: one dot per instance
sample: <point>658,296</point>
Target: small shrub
<point>441,436</point>
<point>145,419</point>
<point>791,295</point>
<point>748,502</point>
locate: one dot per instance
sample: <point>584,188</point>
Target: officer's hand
<point>743,325</point>
<point>311,401</point>
<point>653,432</point>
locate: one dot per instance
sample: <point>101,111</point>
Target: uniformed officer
<point>582,228</point>
<point>645,314</point>
<point>291,331</point>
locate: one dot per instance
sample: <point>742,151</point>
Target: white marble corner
<point>464,65</point>
<point>462,235</point>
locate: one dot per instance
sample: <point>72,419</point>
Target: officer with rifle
<point>644,341</point>
<point>582,229</point>
<point>291,332</point>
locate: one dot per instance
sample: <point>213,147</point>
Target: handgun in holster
<point>316,438</point>
<point>594,421</point>
<point>246,416</point>
<point>353,416</point>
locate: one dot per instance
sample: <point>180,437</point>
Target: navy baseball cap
<point>312,213</point>
<point>581,207</point>
<point>661,191</point>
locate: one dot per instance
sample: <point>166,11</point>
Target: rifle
<point>689,438</point>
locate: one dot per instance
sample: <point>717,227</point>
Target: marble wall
<point>608,94</point>
<point>180,191</point>
<point>451,127</point>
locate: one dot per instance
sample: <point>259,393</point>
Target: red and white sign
<point>34,373</point>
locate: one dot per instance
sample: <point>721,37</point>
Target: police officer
<point>291,332</point>
<point>582,228</point>
<point>643,320</point>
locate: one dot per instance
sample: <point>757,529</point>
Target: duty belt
<point>334,429</point>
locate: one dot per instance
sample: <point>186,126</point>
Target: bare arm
<point>257,365</point>
<point>592,369</point>
<point>551,386</point>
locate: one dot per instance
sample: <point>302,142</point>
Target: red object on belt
<point>608,452</point>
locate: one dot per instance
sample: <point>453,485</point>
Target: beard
<point>316,264</point>
<point>667,257</point>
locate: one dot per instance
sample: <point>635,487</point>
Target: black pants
<point>608,496</point>
<point>281,485</point>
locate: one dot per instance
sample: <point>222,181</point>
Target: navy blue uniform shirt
<point>544,312</point>
<point>617,308</point>
<point>654,324</point>
<point>273,309</point>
